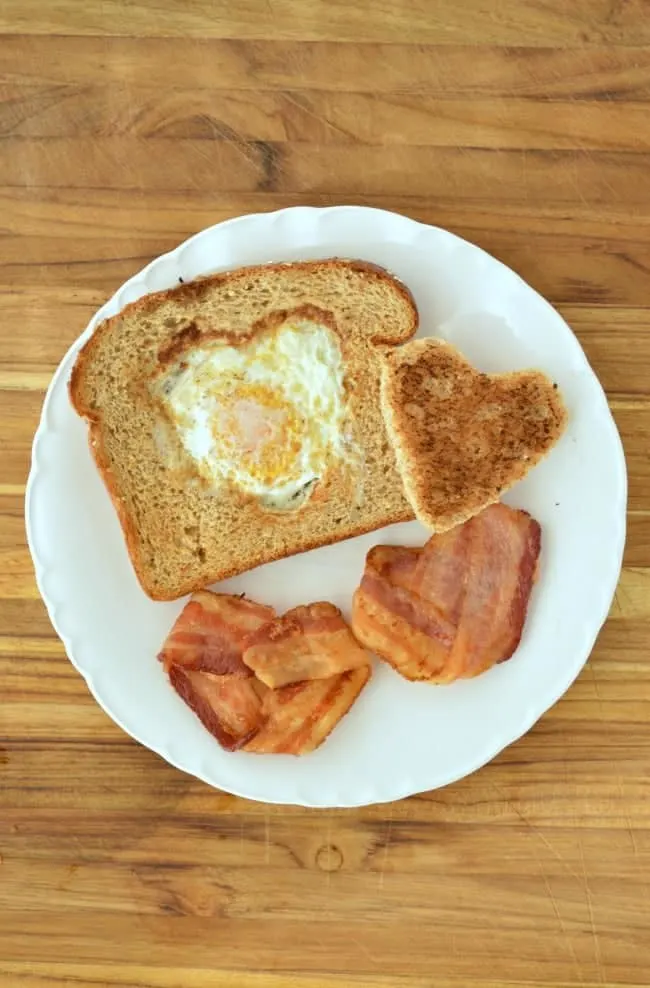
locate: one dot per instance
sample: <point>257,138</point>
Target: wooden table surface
<point>127,126</point>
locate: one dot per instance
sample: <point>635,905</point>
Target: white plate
<point>400,738</point>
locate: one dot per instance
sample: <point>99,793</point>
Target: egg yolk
<point>258,427</point>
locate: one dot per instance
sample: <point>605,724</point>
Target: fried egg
<point>268,416</point>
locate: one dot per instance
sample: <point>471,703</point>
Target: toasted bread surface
<point>181,533</point>
<point>462,438</point>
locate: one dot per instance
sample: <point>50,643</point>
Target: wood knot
<point>329,857</point>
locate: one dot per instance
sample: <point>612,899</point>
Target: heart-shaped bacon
<point>457,606</point>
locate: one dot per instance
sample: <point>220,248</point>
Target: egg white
<point>298,369</point>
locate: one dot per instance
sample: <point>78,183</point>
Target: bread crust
<point>190,290</point>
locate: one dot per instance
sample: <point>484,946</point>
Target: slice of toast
<point>463,438</point>
<point>236,419</point>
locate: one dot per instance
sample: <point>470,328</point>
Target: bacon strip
<point>231,708</point>
<point>411,652</point>
<point>203,656</point>
<point>455,607</point>
<point>394,575</point>
<point>405,606</point>
<point>211,632</point>
<point>307,643</point>
<point>440,576</point>
<point>505,546</point>
<point>300,717</point>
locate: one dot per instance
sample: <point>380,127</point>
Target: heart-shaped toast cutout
<point>461,437</point>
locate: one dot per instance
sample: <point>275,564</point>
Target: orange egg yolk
<point>261,429</point>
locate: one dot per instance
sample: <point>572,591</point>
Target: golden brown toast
<point>463,438</point>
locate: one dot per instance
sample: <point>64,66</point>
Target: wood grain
<point>125,127</point>
<point>419,21</point>
<point>319,117</point>
<point>594,72</point>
